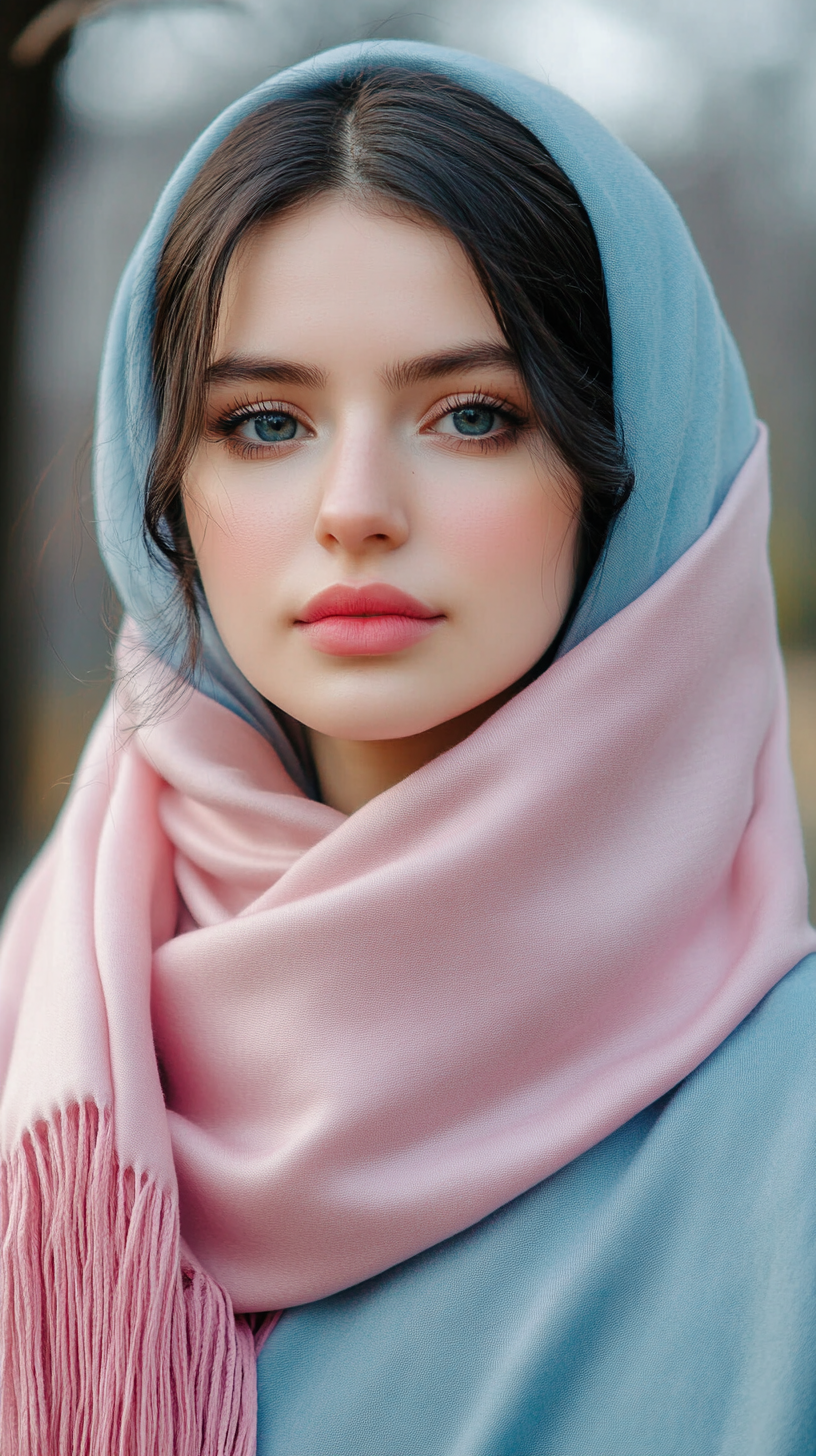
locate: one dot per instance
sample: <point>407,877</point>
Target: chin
<point>366,722</point>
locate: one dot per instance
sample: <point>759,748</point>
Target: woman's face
<point>383,541</point>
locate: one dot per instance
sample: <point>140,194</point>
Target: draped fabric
<point>680,390</point>
<point>658,1295</point>
<point>255,1052</point>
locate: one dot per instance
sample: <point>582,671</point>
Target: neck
<point>352,771</point>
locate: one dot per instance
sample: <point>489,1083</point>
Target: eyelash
<point>515,422</point>
<point>226,425</point>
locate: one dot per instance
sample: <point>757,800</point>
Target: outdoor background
<point>97,104</point>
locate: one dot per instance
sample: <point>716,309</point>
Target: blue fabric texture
<point>656,1297</point>
<point>683,401</point>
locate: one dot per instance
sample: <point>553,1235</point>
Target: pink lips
<point>365,621</point>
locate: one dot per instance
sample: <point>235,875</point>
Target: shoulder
<point>739,1133</point>
<point>657,1294</point>
<point>766,1067</point>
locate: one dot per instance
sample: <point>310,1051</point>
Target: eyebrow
<point>449,361</point>
<point>240,369</point>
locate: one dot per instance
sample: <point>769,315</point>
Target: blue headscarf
<point>680,389</point>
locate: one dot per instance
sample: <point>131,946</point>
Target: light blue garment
<point>680,388</point>
<point>657,1297</point>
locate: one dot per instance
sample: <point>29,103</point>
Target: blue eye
<point>473,420</point>
<point>273,427</point>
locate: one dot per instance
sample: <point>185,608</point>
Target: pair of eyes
<point>473,420</point>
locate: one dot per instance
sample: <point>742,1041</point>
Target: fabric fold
<point>113,1341</point>
<point>253,1052</point>
<point>334,1042</point>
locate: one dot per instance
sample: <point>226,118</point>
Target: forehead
<point>335,274</point>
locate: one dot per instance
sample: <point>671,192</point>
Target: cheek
<point>514,542</point>
<point>243,533</point>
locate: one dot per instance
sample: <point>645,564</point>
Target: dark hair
<point>416,142</point>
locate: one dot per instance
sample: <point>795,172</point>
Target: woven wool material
<point>680,390</point>
<point>373,1031</point>
<point>253,1052</point>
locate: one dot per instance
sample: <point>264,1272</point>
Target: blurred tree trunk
<point>26,109</point>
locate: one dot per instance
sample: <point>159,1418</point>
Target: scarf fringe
<point>113,1343</point>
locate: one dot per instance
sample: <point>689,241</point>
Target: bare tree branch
<point>48,27</point>
<point>57,19</point>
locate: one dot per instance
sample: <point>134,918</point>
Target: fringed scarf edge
<point>113,1339</point>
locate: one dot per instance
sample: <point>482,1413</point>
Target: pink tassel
<point>110,1345</point>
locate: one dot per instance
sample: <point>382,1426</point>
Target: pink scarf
<point>370,1031</point>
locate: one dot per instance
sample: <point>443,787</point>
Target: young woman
<point>423,949</point>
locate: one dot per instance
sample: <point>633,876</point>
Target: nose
<point>362,507</point>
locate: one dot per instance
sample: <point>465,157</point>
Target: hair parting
<point>420,144</point>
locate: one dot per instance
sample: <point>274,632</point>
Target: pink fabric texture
<point>118,1345</point>
<point>256,1052</point>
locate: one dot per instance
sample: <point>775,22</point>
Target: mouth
<point>365,621</point>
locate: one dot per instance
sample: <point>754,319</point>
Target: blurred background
<point>99,100</point>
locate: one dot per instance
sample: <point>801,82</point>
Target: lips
<point>365,621</point>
